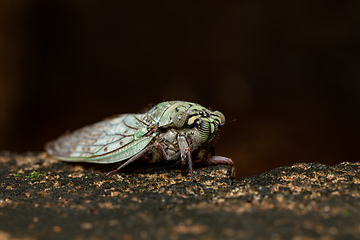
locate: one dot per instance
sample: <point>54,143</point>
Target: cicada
<point>170,131</point>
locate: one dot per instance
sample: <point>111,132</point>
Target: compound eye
<point>219,116</point>
<point>206,131</point>
<point>203,131</point>
<point>179,119</point>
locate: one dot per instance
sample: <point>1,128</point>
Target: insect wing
<point>112,140</point>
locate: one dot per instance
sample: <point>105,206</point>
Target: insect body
<point>170,131</point>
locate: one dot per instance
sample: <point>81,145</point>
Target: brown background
<point>288,72</point>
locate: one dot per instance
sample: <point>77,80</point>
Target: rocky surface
<point>42,198</point>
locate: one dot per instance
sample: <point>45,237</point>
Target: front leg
<point>214,160</point>
<point>185,152</point>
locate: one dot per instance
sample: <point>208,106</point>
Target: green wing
<point>112,140</point>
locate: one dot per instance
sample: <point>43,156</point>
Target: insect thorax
<point>193,122</point>
<point>168,139</point>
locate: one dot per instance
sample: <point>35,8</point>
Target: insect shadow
<point>139,167</point>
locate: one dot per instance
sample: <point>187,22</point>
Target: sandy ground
<point>42,198</point>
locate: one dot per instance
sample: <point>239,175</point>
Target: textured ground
<point>41,198</point>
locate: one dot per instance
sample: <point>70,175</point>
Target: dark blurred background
<point>287,71</point>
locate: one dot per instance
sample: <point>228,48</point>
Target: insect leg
<point>222,160</point>
<point>155,145</point>
<point>186,154</point>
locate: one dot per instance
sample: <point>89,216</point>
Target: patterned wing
<point>112,140</point>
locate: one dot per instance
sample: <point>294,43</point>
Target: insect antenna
<point>233,120</point>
